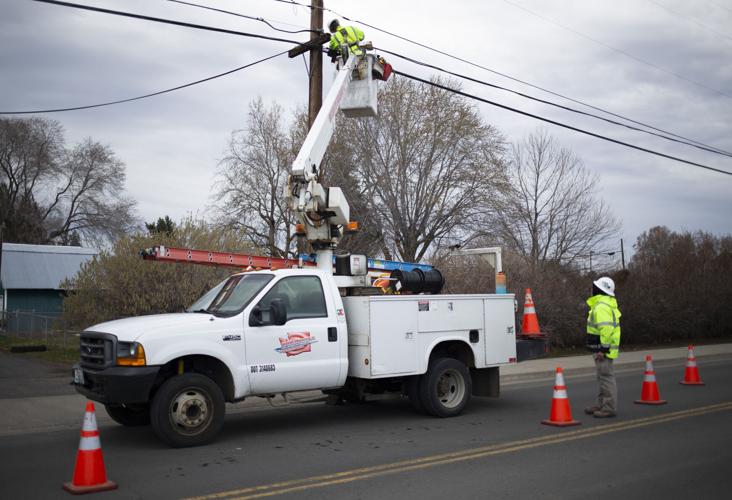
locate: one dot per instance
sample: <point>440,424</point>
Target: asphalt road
<point>496,449</point>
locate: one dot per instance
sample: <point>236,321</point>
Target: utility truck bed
<point>394,335</point>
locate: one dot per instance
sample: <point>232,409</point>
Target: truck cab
<point>256,333</point>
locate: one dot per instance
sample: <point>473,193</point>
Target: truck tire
<point>187,410</point>
<point>446,387</point>
<point>415,398</point>
<point>129,415</point>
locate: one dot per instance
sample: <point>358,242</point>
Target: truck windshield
<point>201,305</point>
<point>236,292</point>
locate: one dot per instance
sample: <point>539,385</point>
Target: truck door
<point>303,353</point>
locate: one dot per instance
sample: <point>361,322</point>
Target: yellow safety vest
<point>347,35</point>
<point>603,325</point>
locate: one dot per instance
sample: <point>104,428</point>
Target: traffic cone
<point>561,415</point>
<point>530,322</point>
<point>691,374</point>
<point>649,394</point>
<point>89,473</point>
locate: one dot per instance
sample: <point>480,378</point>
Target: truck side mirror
<point>255,318</point>
<point>277,312</point>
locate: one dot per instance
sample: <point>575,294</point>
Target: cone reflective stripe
<point>530,322</point>
<point>649,392</point>
<point>691,373</point>
<point>89,472</point>
<point>561,415</point>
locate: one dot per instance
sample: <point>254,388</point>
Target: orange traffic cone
<point>561,415</point>
<point>649,394</point>
<point>530,322</point>
<point>89,473</point>
<point>691,374</point>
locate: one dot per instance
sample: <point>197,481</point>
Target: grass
<point>56,352</point>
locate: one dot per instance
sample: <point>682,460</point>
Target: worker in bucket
<point>603,340</point>
<point>344,40</point>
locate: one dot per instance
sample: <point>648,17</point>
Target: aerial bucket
<point>360,98</point>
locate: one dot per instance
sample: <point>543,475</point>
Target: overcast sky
<point>663,62</point>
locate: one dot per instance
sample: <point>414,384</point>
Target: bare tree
<point>552,213</point>
<point>252,178</point>
<point>54,195</point>
<point>426,166</point>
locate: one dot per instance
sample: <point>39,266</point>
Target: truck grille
<point>97,349</point>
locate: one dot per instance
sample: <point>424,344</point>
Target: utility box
<point>360,99</point>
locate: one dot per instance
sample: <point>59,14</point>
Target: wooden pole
<point>315,98</point>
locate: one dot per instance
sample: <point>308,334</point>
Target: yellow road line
<point>362,473</point>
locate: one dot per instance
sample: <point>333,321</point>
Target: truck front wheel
<point>129,415</point>
<point>187,410</point>
<point>446,387</point>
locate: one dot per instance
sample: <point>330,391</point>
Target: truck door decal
<point>296,343</point>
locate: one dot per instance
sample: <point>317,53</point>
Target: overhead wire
<point>237,14</point>
<point>550,103</point>
<point>120,101</point>
<point>690,20</point>
<point>619,51</point>
<point>166,21</point>
<point>559,124</point>
<point>504,75</point>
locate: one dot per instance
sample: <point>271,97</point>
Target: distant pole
<point>315,99</point>
<point>590,261</point>
<point>622,253</point>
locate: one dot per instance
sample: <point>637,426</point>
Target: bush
<point>119,283</point>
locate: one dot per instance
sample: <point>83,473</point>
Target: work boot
<point>590,410</point>
<point>604,414</point>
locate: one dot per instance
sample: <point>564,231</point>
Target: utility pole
<point>622,253</point>
<point>315,98</point>
<point>590,261</point>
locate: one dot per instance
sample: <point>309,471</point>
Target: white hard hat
<point>605,284</point>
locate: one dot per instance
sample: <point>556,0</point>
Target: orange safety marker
<point>530,322</point>
<point>691,374</point>
<point>649,393</point>
<point>89,473</point>
<point>561,415</point>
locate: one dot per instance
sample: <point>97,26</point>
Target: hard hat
<point>333,26</point>
<point>605,284</point>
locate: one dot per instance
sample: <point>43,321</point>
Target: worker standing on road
<point>603,339</point>
<point>344,39</point>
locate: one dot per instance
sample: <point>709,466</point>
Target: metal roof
<point>41,266</point>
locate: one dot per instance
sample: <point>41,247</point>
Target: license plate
<point>78,376</point>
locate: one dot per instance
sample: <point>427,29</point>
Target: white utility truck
<point>264,333</point>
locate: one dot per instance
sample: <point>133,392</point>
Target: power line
<point>619,51</point>
<point>504,75</point>
<point>690,20</point>
<point>166,21</point>
<point>687,142</point>
<point>76,108</point>
<point>560,124</point>
<point>253,18</point>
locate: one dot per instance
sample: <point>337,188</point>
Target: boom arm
<point>307,163</point>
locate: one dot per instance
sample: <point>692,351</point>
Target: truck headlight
<point>130,354</point>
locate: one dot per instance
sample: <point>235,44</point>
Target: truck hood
<point>133,329</point>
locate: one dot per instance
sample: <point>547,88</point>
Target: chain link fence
<point>49,329</point>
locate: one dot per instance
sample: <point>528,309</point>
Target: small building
<point>31,276</point>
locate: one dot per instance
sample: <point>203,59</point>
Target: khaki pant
<point>608,394</point>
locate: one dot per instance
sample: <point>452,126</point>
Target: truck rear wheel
<point>129,415</point>
<point>446,387</point>
<point>187,410</point>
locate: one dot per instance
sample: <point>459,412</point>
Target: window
<point>302,296</point>
<point>237,292</point>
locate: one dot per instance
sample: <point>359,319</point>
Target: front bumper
<point>118,384</point>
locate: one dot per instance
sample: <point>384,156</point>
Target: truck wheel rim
<point>190,411</point>
<point>450,388</point>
